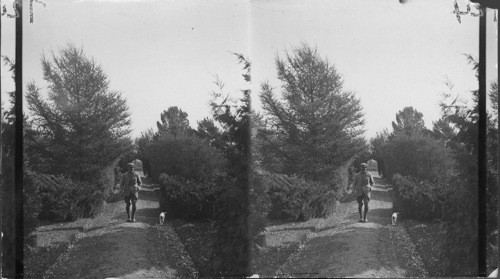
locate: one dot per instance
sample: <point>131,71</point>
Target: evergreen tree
<point>408,122</point>
<point>234,231</point>
<point>83,125</point>
<point>174,122</point>
<point>318,125</point>
<point>209,132</point>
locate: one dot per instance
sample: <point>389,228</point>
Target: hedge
<point>295,198</point>
<point>188,157</point>
<point>60,197</point>
<point>65,199</point>
<point>185,199</point>
<point>420,199</point>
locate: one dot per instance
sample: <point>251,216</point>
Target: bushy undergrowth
<point>295,198</point>
<point>185,199</point>
<point>421,157</point>
<point>58,196</point>
<point>420,200</point>
<point>64,199</point>
<point>101,178</point>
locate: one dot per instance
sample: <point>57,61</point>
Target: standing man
<point>130,184</point>
<point>363,182</point>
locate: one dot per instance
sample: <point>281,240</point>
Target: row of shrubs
<point>191,179</point>
<point>59,198</point>
<point>183,156</point>
<point>286,197</point>
<point>419,199</point>
<point>189,200</point>
<point>294,198</point>
<point>436,178</point>
<point>64,199</point>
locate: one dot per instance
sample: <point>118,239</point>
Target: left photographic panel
<point>134,163</point>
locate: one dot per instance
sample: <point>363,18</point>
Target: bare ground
<point>108,246</point>
<point>340,246</point>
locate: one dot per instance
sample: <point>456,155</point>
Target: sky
<point>162,53</point>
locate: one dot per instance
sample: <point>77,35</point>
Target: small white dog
<point>395,218</point>
<point>162,218</point>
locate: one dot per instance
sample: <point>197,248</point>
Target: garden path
<point>110,247</point>
<point>342,247</point>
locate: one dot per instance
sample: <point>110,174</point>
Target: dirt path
<point>342,247</point>
<point>110,247</point>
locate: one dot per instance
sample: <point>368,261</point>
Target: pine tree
<point>81,125</point>
<point>173,122</point>
<point>409,122</point>
<point>318,125</point>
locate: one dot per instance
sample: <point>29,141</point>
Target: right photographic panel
<point>374,138</point>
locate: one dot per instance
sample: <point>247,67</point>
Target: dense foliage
<point>317,126</point>
<point>79,126</point>
<point>409,122</point>
<point>185,199</point>
<point>62,199</point>
<point>433,178</point>
<point>205,173</point>
<point>434,173</point>
<point>420,199</point>
<point>184,156</point>
<point>419,156</point>
<point>294,198</point>
<point>235,235</point>
<point>173,122</point>
<point>77,132</point>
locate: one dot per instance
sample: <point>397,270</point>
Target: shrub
<point>295,198</point>
<point>421,157</point>
<point>63,199</point>
<point>101,178</point>
<point>421,200</point>
<point>57,195</point>
<point>185,199</point>
<point>184,156</point>
<point>89,204</point>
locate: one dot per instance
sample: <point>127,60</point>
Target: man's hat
<point>363,165</point>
